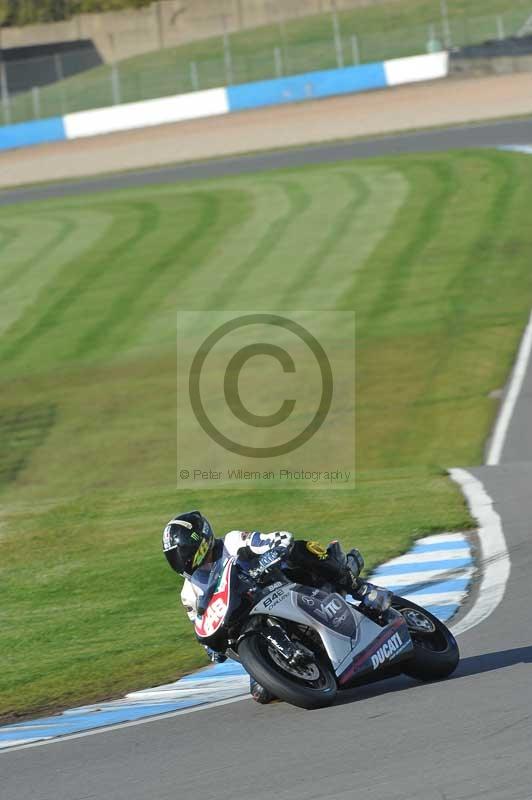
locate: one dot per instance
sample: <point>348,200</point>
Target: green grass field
<point>432,252</point>
<point>388,30</point>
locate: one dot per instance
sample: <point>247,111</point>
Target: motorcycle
<point>304,644</point>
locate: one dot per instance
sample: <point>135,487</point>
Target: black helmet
<point>187,540</point>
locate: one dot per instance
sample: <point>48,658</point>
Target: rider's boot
<point>259,693</point>
<point>374,598</point>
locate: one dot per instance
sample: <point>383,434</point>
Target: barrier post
<point>228,63</point>
<point>433,43</point>
<point>446,28</point>
<point>500,27</point>
<point>58,64</point>
<point>158,11</point>
<point>194,79</point>
<point>337,38</point>
<point>115,84</point>
<point>278,60</point>
<point>282,38</point>
<point>36,102</point>
<point>4,89</point>
<point>60,75</point>
<point>355,49</point>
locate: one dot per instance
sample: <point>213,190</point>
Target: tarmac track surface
<point>492,134</point>
<point>466,737</point>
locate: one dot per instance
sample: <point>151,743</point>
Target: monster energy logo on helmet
<point>201,553</point>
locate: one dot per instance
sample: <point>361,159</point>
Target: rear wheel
<point>436,653</point>
<point>308,685</point>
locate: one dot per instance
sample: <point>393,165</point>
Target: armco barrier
<point>36,132</point>
<point>148,112</point>
<point>416,68</point>
<point>311,85</point>
<point>211,102</point>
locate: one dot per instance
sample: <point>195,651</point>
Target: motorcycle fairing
<point>349,637</point>
<point>391,645</point>
<point>219,604</point>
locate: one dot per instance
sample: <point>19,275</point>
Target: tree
<point>26,12</point>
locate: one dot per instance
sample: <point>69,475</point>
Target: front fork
<point>277,637</point>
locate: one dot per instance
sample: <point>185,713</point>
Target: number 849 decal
<point>215,612</point>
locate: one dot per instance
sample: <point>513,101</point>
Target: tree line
<point>27,12</point>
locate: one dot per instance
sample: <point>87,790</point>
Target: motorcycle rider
<point>192,550</point>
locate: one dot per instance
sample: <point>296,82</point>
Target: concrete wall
<point>167,23</point>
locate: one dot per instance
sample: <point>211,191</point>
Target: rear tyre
<point>436,653</point>
<point>309,686</point>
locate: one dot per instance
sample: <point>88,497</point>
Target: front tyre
<point>311,685</point>
<point>436,653</point>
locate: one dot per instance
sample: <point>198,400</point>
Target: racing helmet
<point>187,541</point>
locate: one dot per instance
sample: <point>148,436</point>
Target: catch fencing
<point>290,47</point>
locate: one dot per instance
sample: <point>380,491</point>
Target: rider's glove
<point>215,656</point>
<point>355,562</point>
<point>282,540</point>
<point>260,543</point>
<point>373,597</point>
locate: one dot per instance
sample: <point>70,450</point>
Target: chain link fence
<point>233,58</point>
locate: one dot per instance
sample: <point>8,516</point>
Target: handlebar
<point>266,562</point>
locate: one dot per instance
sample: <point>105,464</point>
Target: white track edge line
<point>494,556</point>
<point>128,724</point>
<point>508,405</point>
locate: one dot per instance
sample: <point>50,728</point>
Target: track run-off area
<point>466,737</point>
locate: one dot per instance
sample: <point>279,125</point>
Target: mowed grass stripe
<point>140,274</point>
<point>65,228</point>
<point>297,202</point>
<point>452,265</point>
<point>315,263</point>
<point>31,277</point>
<point>486,248</point>
<point>46,317</point>
<point>465,355</point>
<point>8,235</point>
<point>223,212</point>
<point>332,271</point>
<point>236,249</point>
<point>430,211</point>
<point>259,281</point>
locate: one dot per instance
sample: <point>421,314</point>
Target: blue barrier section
<point>307,86</point>
<point>35,132</point>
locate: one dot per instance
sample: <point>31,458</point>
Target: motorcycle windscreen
<point>219,604</point>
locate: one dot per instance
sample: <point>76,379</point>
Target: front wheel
<point>310,685</point>
<point>436,653</point>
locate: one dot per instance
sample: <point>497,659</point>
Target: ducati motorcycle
<point>304,644</point>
